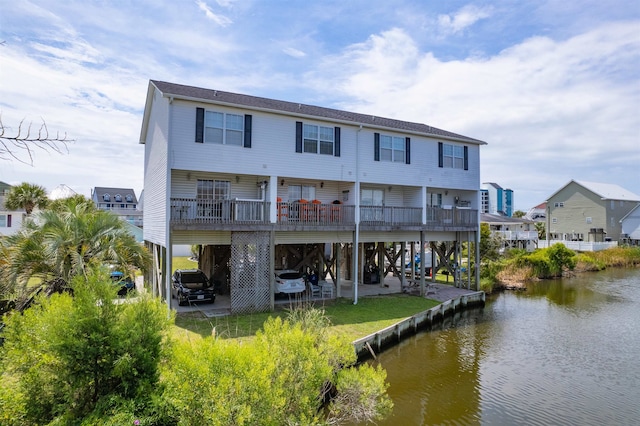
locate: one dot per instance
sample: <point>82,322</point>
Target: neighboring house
<point>588,211</point>
<point>513,232</point>
<point>496,200</point>
<point>630,225</point>
<point>537,213</point>
<point>10,220</point>
<point>252,180</point>
<point>120,201</point>
<point>61,191</point>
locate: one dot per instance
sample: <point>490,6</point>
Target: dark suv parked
<point>191,285</point>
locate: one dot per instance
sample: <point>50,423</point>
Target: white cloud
<point>545,106</point>
<point>463,18</point>
<point>294,53</point>
<point>221,20</point>
<point>557,103</point>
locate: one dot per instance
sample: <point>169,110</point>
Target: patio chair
<point>326,290</point>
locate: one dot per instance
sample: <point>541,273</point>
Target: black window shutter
<point>466,158</point>
<point>336,141</point>
<point>199,125</point>
<point>298,136</point>
<point>440,162</point>
<point>247,130</point>
<point>407,148</point>
<point>376,146</point>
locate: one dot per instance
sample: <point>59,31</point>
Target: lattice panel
<point>250,275</point>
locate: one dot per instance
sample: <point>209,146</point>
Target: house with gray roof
<point>588,211</point>
<point>120,201</point>
<point>630,224</point>
<point>262,184</point>
<point>513,232</point>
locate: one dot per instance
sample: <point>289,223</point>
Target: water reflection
<point>562,352</point>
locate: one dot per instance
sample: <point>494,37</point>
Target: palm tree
<point>61,243</point>
<point>26,196</point>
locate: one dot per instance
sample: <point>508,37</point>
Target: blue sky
<point>552,86</point>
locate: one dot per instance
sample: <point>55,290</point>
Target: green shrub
<point>67,355</point>
<point>283,376</point>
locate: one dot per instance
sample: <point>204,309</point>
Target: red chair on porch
<point>316,211</point>
<point>303,205</point>
<point>283,210</point>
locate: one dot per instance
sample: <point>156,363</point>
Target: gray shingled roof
<point>254,102</point>
<point>98,193</point>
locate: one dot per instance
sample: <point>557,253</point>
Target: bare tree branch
<point>21,145</point>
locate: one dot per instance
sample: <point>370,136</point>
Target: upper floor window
<point>317,139</point>
<point>129,198</point>
<point>106,197</point>
<point>118,198</point>
<point>392,148</point>
<point>395,149</point>
<point>5,221</point>
<point>453,156</point>
<point>223,128</point>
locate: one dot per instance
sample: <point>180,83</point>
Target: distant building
<point>589,211</point>
<point>537,213</point>
<point>120,201</point>
<point>513,232</point>
<point>631,227</point>
<point>61,191</point>
<point>496,200</point>
<point>10,220</point>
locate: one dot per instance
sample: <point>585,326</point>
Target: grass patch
<point>183,262</point>
<point>353,321</point>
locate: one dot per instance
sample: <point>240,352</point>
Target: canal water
<point>563,352</point>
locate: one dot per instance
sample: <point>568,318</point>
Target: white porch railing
<point>517,235</point>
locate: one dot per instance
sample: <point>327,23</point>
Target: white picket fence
<point>579,245</point>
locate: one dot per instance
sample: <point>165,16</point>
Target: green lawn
<point>354,321</point>
<point>183,262</point>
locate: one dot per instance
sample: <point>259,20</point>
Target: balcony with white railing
<point>302,214</point>
<point>379,217</point>
<point>451,219</point>
<point>239,214</point>
<point>206,213</point>
<point>516,235</point>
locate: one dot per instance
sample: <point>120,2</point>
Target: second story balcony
<point>388,217</point>
<point>218,214</point>
<point>239,214</point>
<point>451,219</point>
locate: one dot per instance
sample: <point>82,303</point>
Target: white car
<point>289,281</point>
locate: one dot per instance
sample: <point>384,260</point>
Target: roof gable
<point>606,191</point>
<point>180,91</point>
